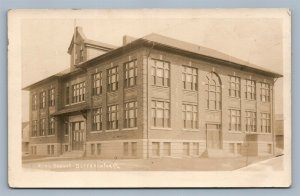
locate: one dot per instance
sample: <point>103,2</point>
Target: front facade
<point>148,99</point>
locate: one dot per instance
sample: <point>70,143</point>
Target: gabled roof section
<point>102,45</point>
<point>52,77</point>
<point>181,45</point>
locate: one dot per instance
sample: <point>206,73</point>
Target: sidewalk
<point>159,164</point>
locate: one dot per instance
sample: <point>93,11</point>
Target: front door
<point>213,136</point>
<point>77,135</point>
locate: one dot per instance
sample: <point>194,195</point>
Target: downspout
<point>273,117</point>
<point>148,98</point>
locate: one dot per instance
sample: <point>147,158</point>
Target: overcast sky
<point>45,40</point>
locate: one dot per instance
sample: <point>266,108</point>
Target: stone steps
<point>72,154</point>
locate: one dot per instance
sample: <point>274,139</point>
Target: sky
<point>45,40</point>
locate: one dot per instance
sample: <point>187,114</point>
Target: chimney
<point>128,39</point>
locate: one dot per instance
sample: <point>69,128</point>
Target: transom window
<point>130,114</point>
<point>213,92</point>
<point>130,73</point>
<point>43,99</point>
<point>112,114</point>
<point>265,123</point>
<point>67,95</point>
<point>34,102</point>
<point>190,116</point>
<point>190,78</point>
<point>97,119</point>
<point>160,114</point>
<point>155,149</point>
<point>250,121</point>
<point>167,148</point>
<point>97,83</point>
<point>265,92</point>
<point>78,92</point>
<point>160,73</point>
<point>125,148</point>
<point>112,79</point>
<point>234,120</point>
<point>51,130</point>
<point>234,86</point>
<point>34,131</point>
<point>43,127</point>
<point>250,90</point>
<point>52,97</point>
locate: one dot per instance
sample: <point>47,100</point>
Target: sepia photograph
<point>149,98</point>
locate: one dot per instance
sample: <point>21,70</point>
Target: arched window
<point>213,92</point>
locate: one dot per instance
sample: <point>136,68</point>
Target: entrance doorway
<point>77,135</point>
<point>213,136</point>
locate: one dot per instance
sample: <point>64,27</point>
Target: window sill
<point>193,91</point>
<point>265,101</point>
<point>190,129</point>
<point>161,128</point>
<point>96,131</point>
<point>38,136</point>
<point>234,97</point>
<point>112,130</point>
<point>74,103</point>
<point>236,132</point>
<point>250,99</point>
<point>98,95</point>
<point>160,86</point>
<point>208,110</point>
<point>130,129</point>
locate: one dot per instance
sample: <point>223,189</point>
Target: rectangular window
<point>190,78</point>
<point>250,121</point>
<point>186,148</point>
<point>133,148</point>
<point>160,114</point>
<point>43,99</point>
<point>130,73</point>
<point>234,117</point>
<point>43,127</point>
<point>160,73</point>
<point>51,130</point>
<point>98,149</point>
<point>78,92</point>
<point>231,147</point>
<point>125,148</point>
<point>49,149</point>
<point>97,83</point>
<point>265,123</point>
<point>34,102</point>
<point>34,128</point>
<point>190,116</point>
<point>239,148</point>
<point>234,86</point>
<point>265,92</point>
<point>97,119</point>
<point>52,149</point>
<point>112,79</point>
<point>112,114</point>
<point>66,128</point>
<point>130,113</point>
<point>92,149</point>
<point>195,148</point>
<point>155,149</point>
<point>67,95</point>
<point>250,90</point>
<point>167,149</point>
<point>52,97</point>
